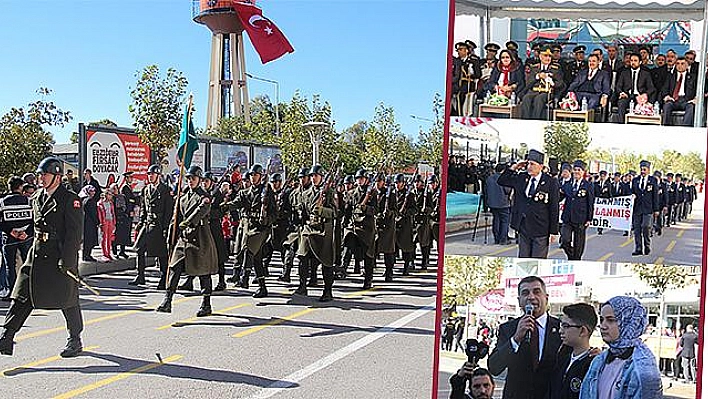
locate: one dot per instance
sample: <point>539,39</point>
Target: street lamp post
<point>277,99</point>
<point>315,129</point>
<point>613,150</point>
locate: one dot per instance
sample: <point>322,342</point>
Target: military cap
<point>566,166</point>
<point>556,47</point>
<point>126,174</point>
<point>536,46</point>
<point>579,49</point>
<point>380,176</point>
<point>679,175</point>
<point>317,170</point>
<point>209,175</point>
<point>603,172</point>
<point>349,179</point>
<point>645,164</point>
<point>462,44</point>
<point>256,169</point>
<point>432,179</point>
<point>154,169</point>
<point>360,173</point>
<point>545,50</point>
<point>492,47</point>
<point>536,156</point>
<point>303,172</point>
<point>194,171</point>
<point>247,175</point>
<point>618,174</point>
<point>669,174</point>
<point>512,45</point>
<point>657,173</point>
<point>472,45</point>
<point>399,178</point>
<point>51,165</point>
<point>276,177</point>
<point>418,179</point>
<point>578,164</point>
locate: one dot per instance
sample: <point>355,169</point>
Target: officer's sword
<point>81,281</point>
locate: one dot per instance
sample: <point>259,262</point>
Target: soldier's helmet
<point>256,169</point>
<point>51,165</point>
<point>276,177</point>
<point>210,175</point>
<point>381,176</point>
<point>194,171</point>
<point>349,179</point>
<point>155,169</point>
<point>360,173</point>
<point>303,172</point>
<point>317,170</point>
<point>400,178</point>
<point>247,175</point>
<point>419,179</point>
<point>432,179</point>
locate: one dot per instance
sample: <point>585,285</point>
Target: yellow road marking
<point>629,241</point>
<point>295,315</point>
<point>48,331</point>
<point>500,251</point>
<point>671,246</point>
<point>680,233</point>
<point>14,370</point>
<point>165,327</point>
<point>659,260</point>
<point>121,376</point>
<point>606,256</point>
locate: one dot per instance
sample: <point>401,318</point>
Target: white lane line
<point>293,379</point>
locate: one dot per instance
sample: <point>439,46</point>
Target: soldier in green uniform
<point>360,231</point>
<point>281,219</point>
<point>295,227</point>
<point>195,252</point>
<point>257,205</point>
<point>434,187</point>
<point>154,223</point>
<point>44,280</point>
<point>386,224</point>
<point>423,234</point>
<point>236,278</point>
<point>544,82</point>
<point>405,211</point>
<point>317,240</point>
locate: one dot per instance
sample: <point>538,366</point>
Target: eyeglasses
<point>566,326</point>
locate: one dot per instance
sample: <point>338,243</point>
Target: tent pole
<point>699,116</point>
<point>489,26</point>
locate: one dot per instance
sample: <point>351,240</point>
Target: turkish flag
<point>269,41</point>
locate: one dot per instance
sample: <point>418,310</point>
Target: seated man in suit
<point>577,324</point>
<point>632,82</point>
<point>527,346</point>
<point>646,208</point>
<point>679,93</point>
<point>544,82</point>
<point>592,83</point>
<point>535,209</point>
<point>577,212</point>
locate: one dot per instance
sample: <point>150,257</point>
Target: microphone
<point>528,310</point>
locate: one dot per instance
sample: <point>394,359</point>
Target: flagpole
<point>173,236</point>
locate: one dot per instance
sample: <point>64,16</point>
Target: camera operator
<point>481,383</point>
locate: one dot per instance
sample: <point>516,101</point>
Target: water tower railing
<point>200,6</point>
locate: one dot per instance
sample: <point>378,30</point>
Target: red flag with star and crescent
<point>269,41</point>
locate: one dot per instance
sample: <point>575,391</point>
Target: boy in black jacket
<point>577,325</point>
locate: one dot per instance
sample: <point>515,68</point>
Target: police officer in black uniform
<point>158,205</point>
<point>17,227</point>
<point>194,252</point>
<point>45,281</point>
<point>577,212</point>
<point>646,207</point>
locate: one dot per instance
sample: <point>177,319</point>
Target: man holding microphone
<point>527,346</point>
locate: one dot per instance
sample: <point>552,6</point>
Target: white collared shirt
<point>682,76</point>
<point>541,324</point>
<point>574,358</point>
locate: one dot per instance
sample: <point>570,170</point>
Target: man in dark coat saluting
<point>45,281</point>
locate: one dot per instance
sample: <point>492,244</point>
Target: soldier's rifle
<point>265,193</point>
<point>409,188</point>
<point>331,176</point>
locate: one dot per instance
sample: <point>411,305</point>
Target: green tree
<point>566,141</point>
<point>385,143</point>
<point>430,142</point>
<point>157,107</point>
<point>466,278</point>
<point>24,141</point>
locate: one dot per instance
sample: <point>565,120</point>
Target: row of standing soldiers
<point>311,218</point>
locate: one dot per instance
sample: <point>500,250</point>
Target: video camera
<point>475,350</point>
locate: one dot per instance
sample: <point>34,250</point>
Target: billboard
<point>225,156</point>
<point>270,159</point>
<point>110,153</point>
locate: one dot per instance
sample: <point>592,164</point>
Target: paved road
<point>366,344</point>
<point>678,245</point>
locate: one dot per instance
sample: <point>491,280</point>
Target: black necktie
<point>535,347</point>
<point>634,82</point>
<point>532,187</point>
<point>575,187</point>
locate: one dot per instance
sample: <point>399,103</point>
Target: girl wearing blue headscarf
<point>627,370</point>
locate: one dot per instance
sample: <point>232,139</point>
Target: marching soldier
<point>360,230</point>
<point>257,205</point>
<point>17,227</point>
<point>154,224</point>
<point>295,227</point>
<point>603,189</point>
<point>577,212</point>
<point>544,82</point>
<point>385,224</point>
<point>45,281</point>
<point>663,202</point>
<point>317,239</point>
<point>536,205</point>
<point>434,186</point>
<point>646,206</point>
<point>281,221</point>
<point>195,252</point>
<point>342,220</point>
<point>423,233</point>
<point>405,211</point>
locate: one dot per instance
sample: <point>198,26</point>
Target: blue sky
<point>355,54</point>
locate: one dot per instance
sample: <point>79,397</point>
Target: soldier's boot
<point>205,309</point>
<point>244,279</point>
<point>406,268</point>
<point>302,275</point>
<point>162,284</point>
<point>7,342</point>
<point>357,267</point>
<point>73,347</point>
<point>166,305</point>
<point>328,274</point>
<point>368,273</point>
<point>188,284</point>
<point>140,279</point>
<point>286,273</point>
<point>313,276</point>
<point>236,277</point>
<point>163,262</point>
<point>221,285</point>
<point>262,291</point>
<point>425,251</point>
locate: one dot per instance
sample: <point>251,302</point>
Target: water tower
<point>228,93</point>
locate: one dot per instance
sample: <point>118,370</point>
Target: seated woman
<point>506,77</point>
